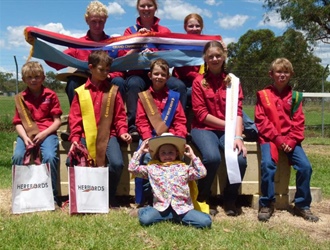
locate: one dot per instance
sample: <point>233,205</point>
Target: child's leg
<point>149,215</point>
<point>268,170</point>
<point>48,150</point>
<point>17,158</point>
<point>207,142</point>
<point>301,163</point>
<point>116,164</point>
<point>196,219</point>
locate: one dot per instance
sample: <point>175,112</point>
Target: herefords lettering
<point>90,187</point>
<point>31,186</point>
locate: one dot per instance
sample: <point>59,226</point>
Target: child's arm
<point>40,137</point>
<point>134,166</point>
<point>22,133</point>
<point>238,142</point>
<point>197,170</point>
<point>296,134</point>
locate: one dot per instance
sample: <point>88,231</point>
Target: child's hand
<point>286,148</point>
<point>73,145</point>
<point>39,138</point>
<point>189,152</point>
<point>28,141</point>
<point>239,144</point>
<point>144,147</point>
<point>126,137</point>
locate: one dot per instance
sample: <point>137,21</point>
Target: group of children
<point>156,103</point>
<point>278,117</point>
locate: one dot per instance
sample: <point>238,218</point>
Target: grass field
<point>118,230</point>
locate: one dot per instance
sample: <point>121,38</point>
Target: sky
<point>229,18</point>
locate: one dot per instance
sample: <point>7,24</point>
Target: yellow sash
<point>88,118</point>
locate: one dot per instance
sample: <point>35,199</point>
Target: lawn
<point>118,230</point>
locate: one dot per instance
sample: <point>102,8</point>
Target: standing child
<point>158,111</point>
<point>169,178</point>
<point>97,118</point>
<point>212,131</point>
<point>280,121</point>
<point>43,108</point>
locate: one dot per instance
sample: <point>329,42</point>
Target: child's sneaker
<point>265,213</point>
<point>305,213</point>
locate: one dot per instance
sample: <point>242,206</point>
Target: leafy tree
<point>51,81</point>
<point>251,56</point>
<point>4,79</point>
<point>311,16</point>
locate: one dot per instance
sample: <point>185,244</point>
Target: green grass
<point>117,230</point>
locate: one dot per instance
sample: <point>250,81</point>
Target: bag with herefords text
<point>88,185</point>
<point>31,185</point>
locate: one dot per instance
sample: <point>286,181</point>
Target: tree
<point>51,82</point>
<point>310,16</point>
<point>4,79</point>
<point>252,55</point>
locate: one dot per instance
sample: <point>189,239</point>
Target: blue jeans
<point>300,163</point>
<point>76,81</point>
<point>209,143</point>
<point>137,84</point>
<point>48,149</point>
<point>149,215</point>
<point>115,163</point>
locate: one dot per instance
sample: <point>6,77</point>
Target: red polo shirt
<point>144,127</point>
<point>292,130</point>
<point>82,54</point>
<point>119,122</point>
<point>43,108</point>
<point>211,99</point>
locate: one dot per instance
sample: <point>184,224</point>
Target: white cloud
<point>274,21</point>
<point>2,43</point>
<point>130,3</point>
<point>231,22</point>
<point>178,10</point>
<point>322,50</point>
<point>213,2</point>
<point>115,9</point>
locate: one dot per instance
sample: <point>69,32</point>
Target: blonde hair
<point>32,68</point>
<point>193,16</point>
<point>281,63</point>
<point>96,8</point>
<point>154,2</point>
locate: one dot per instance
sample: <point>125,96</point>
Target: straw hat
<point>63,77</point>
<point>166,138</point>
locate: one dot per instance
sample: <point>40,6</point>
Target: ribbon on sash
<point>272,114</point>
<point>97,142</point>
<point>233,172</point>
<point>28,123</point>
<point>160,122</point>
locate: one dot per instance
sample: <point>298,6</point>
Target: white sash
<point>233,172</point>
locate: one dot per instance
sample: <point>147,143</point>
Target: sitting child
<point>169,177</point>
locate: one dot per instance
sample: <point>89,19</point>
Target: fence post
<point>323,80</point>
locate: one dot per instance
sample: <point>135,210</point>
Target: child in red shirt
<point>108,109</point>
<point>159,110</point>
<point>44,107</point>
<point>280,121</point>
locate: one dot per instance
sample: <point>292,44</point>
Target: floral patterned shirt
<point>169,182</point>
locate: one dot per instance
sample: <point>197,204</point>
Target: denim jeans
<point>209,143</point>
<point>137,84</point>
<point>115,160</point>
<point>149,215</point>
<point>48,149</point>
<point>300,163</point>
<point>76,81</point>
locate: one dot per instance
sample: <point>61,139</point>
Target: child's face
<point>167,153</point>
<point>193,27</point>
<point>214,58</point>
<point>100,72</point>
<point>281,76</point>
<point>158,76</point>
<point>34,82</point>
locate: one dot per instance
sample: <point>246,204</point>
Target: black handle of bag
<point>34,151</point>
